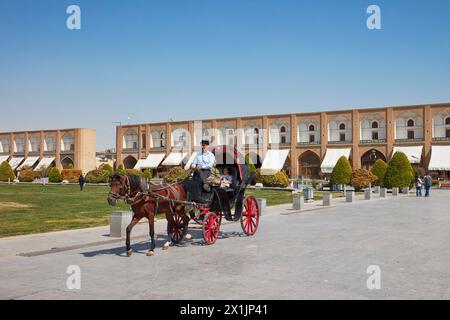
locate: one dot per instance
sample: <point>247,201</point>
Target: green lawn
<point>26,209</point>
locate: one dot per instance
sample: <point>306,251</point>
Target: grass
<point>27,209</point>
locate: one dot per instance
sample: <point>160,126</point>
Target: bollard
<point>405,190</point>
<point>327,198</point>
<point>297,202</point>
<point>383,192</point>
<point>262,205</point>
<point>377,189</point>
<point>368,194</point>
<point>350,196</point>
<point>118,222</point>
<point>395,191</point>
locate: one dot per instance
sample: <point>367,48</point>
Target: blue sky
<point>151,60</point>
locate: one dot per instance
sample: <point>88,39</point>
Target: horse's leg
<point>129,228</point>
<point>151,226</point>
<point>169,219</point>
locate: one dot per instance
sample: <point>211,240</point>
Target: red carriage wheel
<point>250,216</point>
<point>177,228</point>
<point>211,227</point>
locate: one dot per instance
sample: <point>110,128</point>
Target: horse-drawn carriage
<point>223,201</point>
<point>228,202</point>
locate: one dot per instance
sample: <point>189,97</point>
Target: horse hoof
<point>165,247</point>
<point>188,236</point>
<point>150,253</point>
<point>129,252</point>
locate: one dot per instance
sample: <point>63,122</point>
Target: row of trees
<point>397,173</point>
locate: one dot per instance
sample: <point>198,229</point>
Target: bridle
<point>123,185</point>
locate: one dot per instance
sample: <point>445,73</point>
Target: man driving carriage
<point>202,164</point>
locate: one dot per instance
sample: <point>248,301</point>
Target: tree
<point>362,178</point>
<point>6,172</point>
<point>379,170</point>
<point>148,174</point>
<point>54,175</point>
<point>342,172</point>
<point>107,167</point>
<point>399,172</point>
<point>120,169</point>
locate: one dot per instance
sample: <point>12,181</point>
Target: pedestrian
<point>419,183</point>
<point>81,181</point>
<point>427,185</point>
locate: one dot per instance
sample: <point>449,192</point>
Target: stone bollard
<point>368,194</point>
<point>383,192</point>
<point>350,196</point>
<point>327,198</point>
<point>118,222</point>
<point>377,189</point>
<point>297,202</point>
<point>405,190</point>
<point>395,191</point>
<point>262,205</point>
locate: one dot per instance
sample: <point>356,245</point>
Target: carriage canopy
<point>227,155</point>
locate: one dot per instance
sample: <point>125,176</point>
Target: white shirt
<point>204,159</point>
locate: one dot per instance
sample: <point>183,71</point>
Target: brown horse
<point>146,202</point>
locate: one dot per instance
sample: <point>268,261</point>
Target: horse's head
<point>120,188</point>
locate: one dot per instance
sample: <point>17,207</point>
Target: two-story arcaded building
<point>60,148</point>
<point>304,144</point>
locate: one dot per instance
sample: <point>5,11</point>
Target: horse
<point>146,202</point>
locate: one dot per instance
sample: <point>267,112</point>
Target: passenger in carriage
<point>227,179</point>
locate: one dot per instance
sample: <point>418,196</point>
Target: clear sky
<point>151,60</point>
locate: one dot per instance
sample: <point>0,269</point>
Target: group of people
<point>423,182</point>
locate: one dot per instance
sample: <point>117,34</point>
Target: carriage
<point>229,203</point>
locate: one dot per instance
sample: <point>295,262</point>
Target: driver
<point>202,164</point>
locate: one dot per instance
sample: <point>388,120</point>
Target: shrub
<point>379,170</point>
<point>120,169</point>
<point>362,178</point>
<point>44,171</point>
<point>399,172</point>
<point>70,166</point>
<point>71,175</point>
<point>107,167</point>
<point>176,174</point>
<point>28,175</point>
<point>97,176</point>
<point>135,172</point>
<point>54,175</point>
<point>6,172</point>
<point>280,179</point>
<point>147,174</point>
<point>342,172</point>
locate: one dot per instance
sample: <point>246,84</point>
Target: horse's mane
<point>135,182</point>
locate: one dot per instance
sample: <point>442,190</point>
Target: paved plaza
<point>321,253</point>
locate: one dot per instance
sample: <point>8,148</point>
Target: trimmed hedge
<point>97,176</point>
<point>342,172</point>
<point>28,175</point>
<point>379,170</point>
<point>54,175</point>
<point>106,167</point>
<point>176,174</point>
<point>399,172</point>
<point>120,169</point>
<point>6,172</point>
<point>135,172</point>
<point>280,179</point>
<point>71,175</point>
<point>361,178</point>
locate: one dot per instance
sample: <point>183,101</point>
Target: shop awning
<point>29,162</point>
<point>15,161</point>
<point>440,158</point>
<point>175,159</point>
<point>331,158</point>
<point>191,159</point>
<point>414,154</point>
<point>274,161</point>
<point>3,159</point>
<point>44,163</point>
<point>152,161</point>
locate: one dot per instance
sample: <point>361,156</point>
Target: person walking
<point>427,185</point>
<point>419,183</point>
<point>81,181</point>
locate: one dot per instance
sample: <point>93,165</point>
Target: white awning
<point>152,161</point>
<point>274,161</point>
<point>15,161</point>
<point>29,162</point>
<point>440,158</point>
<point>191,159</point>
<point>414,154</point>
<point>175,159</point>
<point>3,159</point>
<point>44,163</point>
<point>331,158</point>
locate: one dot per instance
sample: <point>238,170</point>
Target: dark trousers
<point>427,191</point>
<point>81,186</point>
<point>202,175</point>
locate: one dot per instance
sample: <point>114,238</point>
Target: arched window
<point>283,129</point>
<point>312,128</point>
<point>130,140</point>
<point>410,123</point>
<point>342,126</point>
<point>162,142</point>
<point>67,142</point>
<point>35,144</point>
<point>4,144</point>
<point>375,125</point>
<point>447,121</point>
<point>19,147</point>
<point>50,143</point>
